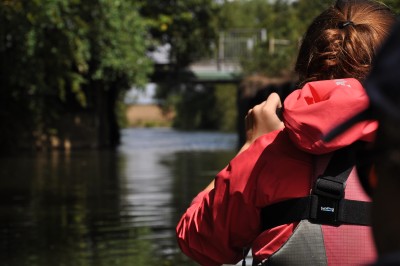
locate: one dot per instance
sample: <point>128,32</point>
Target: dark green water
<point>106,208</point>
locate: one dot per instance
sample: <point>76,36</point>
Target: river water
<point>106,207</point>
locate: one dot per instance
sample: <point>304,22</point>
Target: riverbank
<point>148,115</point>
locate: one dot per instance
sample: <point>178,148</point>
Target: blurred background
<point>114,114</point>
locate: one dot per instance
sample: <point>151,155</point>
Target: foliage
<point>60,55</point>
<point>284,21</point>
<point>193,109</point>
<point>245,14</point>
<point>306,11</point>
<point>187,25</point>
<point>118,42</point>
<point>226,107</point>
<point>393,4</point>
<point>211,107</point>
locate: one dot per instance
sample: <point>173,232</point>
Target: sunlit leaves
<point>51,52</point>
<point>120,40</point>
<point>187,25</point>
<point>282,20</point>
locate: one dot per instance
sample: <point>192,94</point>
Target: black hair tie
<point>344,24</point>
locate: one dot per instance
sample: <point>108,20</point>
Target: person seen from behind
<point>247,204</point>
<point>378,164</point>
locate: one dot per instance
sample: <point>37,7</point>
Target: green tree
<point>118,47</point>
<point>64,56</point>
<point>306,11</point>
<point>245,14</point>
<point>187,25</point>
<point>285,21</point>
<point>394,4</point>
<point>277,18</point>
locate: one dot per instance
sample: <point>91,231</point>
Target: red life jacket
<point>321,213</point>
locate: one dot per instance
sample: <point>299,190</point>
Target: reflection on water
<point>106,208</point>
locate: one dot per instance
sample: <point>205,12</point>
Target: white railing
<point>232,46</point>
<point>236,44</point>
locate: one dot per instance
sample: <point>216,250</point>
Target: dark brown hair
<point>342,41</point>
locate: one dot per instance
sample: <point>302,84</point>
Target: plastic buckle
<point>325,202</point>
<point>327,186</point>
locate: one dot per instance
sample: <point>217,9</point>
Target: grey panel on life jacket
<point>304,247</point>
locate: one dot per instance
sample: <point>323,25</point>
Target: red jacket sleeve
<point>221,222</point>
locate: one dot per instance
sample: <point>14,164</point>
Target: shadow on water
<point>106,208</point>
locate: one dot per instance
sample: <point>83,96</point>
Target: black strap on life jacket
<point>326,204</point>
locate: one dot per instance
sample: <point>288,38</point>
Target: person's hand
<point>263,118</point>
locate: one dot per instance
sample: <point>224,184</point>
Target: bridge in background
<point>222,67</point>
